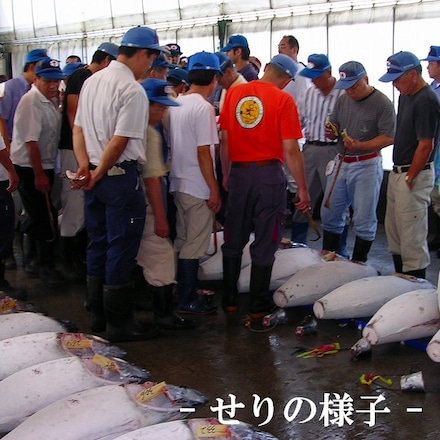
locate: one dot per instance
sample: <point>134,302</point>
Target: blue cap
<point>49,68</point>
<point>35,55</point>
<point>159,91</point>
<point>349,74</point>
<point>398,64</point>
<point>285,63</point>
<point>69,68</point>
<point>224,61</point>
<point>235,41</point>
<point>433,55</point>
<point>142,37</point>
<point>161,61</point>
<point>174,48</point>
<point>179,74</point>
<point>317,64</point>
<point>203,61</point>
<point>109,48</point>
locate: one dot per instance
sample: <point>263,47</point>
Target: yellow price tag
<point>104,362</point>
<point>77,343</point>
<point>208,431</point>
<point>7,304</point>
<point>150,393</point>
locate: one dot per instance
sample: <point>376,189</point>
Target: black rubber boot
<point>30,264</point>
<point>95,303</point>
<point>163,309</point>
<point>260,302</point>
<point>231,273</point>
<point>298,232</point>
<point>434,244</point>
<point>419,273</point>
<point>331,241</point>
<point>397,260</point>
<point>361,249</point>
<point>6,288</point>
<point>72,266</point>
<point>187,270</point>
<point>121,322</point>
<point>46,265</point>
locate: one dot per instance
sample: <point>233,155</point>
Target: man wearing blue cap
<point>364,121</point>
<point>238,51</point>
<point>411,180</point>
<point>73,239</point>
<point>193,136</point>
<point>260,130</point>
<point>37,124</point>
<point>433,59</point>
<point>108,141</point>
<point>14,89</point>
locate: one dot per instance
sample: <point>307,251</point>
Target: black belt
<point>405,168</point>
<point>258,163</point>
<point>320,143</point>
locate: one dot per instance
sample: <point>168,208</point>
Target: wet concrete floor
<point>223,358</point>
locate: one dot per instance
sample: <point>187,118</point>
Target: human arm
<point>295,164</point>
<point>5,160</point>
<point>207,170</point>
<point>4,134</point>
<point>41,181</point>
<point>72,105</point>
<point>421,156</point>
<point>224,159</point>
<point>154,194</point>
<point>375,144</point>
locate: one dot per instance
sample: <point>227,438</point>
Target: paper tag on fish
<point>105,362</point>
<point>209,431</point>
<point>7,304</point>
<point>78,343</point>
<point>150,393</point>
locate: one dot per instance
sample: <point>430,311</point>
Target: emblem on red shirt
<point>249,111</point>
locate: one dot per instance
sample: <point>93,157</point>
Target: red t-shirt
<point>258,117</point>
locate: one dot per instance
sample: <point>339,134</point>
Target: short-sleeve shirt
<point>155,166</point>
<point>111,103</point>
<point>248,72</point>
<point>258,117</point>
<point>36,119</point>
<point>3,172</point>
<point>418,117</point>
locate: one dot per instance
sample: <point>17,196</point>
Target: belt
<point>350,159</point>
<point>405,168</point>
<point>320,143</point>
<point>258,164</point>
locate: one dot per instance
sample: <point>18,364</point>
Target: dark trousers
<point>7,220</point>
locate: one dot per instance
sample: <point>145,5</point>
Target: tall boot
<point>187,270</point>
<point>231,273</point>
<point>72,268</point>
<point>95,303</point>
<point>298,232</point>
<point>121,322</point>
<point>331,241</point>
<point>434,243</point>
<point>30,264</point>
<point>361,249</point>
<point>398,264</point>
<point>163,309</point>
<point>6,287</point>
<point>46,262</point>
<point>260,302</point>
<point>419,273</point>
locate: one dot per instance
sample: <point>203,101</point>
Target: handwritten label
<point>7,304</point>
<point>104,362</point>
<point>72,344</point>
<point>150,393</point>
<point>206,431</point>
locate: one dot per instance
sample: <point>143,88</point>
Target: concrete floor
<point>223,357</point>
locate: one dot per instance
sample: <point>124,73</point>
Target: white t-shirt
<point>112,102</point>
<point>3,172</point>
<point>299,86</point>
<point>36,119</point>
<point>192,125</point>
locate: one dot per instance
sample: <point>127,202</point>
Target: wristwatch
<point>409,180</point>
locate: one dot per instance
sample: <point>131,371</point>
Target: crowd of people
<point>153,150</point>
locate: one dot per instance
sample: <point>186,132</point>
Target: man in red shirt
<point>260,129</point>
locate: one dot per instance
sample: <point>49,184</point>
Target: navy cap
<point>203,61</point>
<point>159,91</point>
<point>349,74</point>
<point>35,55</point>
<point>398,64</point>
<point>174,48</point>
<point>433,55</point>
<point>224,61</point>
<point>109,48</point>
<point>142,37</point>
<point>285,63</point>
<point>179,74</point>
<point>49,68</point>
<point>69,68</point>
<point>161,61</point>
<point>235,41</point>
<point>317,64</point>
